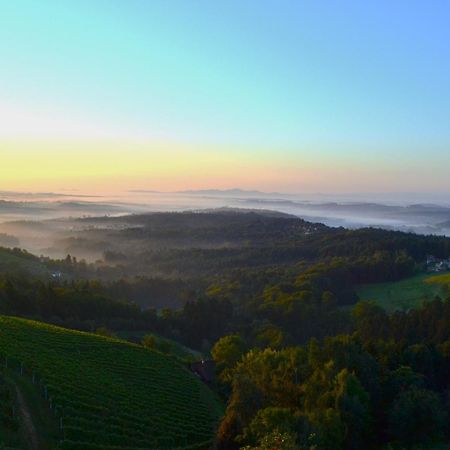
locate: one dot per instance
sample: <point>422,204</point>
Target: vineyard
<point>109,394</point>
<point>9,423</point>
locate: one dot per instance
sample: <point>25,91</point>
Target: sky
<point>293,96</point>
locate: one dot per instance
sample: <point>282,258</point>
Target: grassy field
<point>406,294</point>
<point>105,393</point>
<point>439,279</point>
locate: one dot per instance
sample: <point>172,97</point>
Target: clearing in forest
<point>408,293</point>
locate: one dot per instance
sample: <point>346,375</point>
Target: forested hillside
<point>384,386</point>
<point>301,362</point>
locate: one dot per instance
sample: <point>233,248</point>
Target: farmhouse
<point>204,369</point>
<point>437,265</point>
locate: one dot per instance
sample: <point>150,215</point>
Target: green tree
<point>417,416</point>
<point>226,353</point>
<point>276,440</point>
<point>269,419</point>
<point>156,343</point>
<point>103,331</point>
<point>271,336</point>
<point>352,402</point>
<point>326,430</point>
<point>371,321</point>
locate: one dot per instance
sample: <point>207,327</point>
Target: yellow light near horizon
<point>95,165</point>
<point>125,164</point>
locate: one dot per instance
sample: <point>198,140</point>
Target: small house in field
<point>437,265</point>
<point>204,369</point>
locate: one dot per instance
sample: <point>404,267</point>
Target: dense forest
<point>384,385</point>
<point>302,362</point>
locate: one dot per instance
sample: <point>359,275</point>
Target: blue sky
<point>360,82</point>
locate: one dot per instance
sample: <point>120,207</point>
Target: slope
<point>109,394</point>
<point>404,294</point>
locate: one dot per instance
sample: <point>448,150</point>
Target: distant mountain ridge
<point>234,191</point>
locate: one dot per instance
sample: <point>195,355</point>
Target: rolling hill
<point>20,261</point>
<point>105,393</point>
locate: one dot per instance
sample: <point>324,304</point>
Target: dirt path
<point>29,431</point>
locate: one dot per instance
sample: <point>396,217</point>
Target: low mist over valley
<point>57,224</point>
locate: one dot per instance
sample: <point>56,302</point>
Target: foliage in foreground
<point>385,385</point>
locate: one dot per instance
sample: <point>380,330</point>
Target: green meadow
<point>408,293</point>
